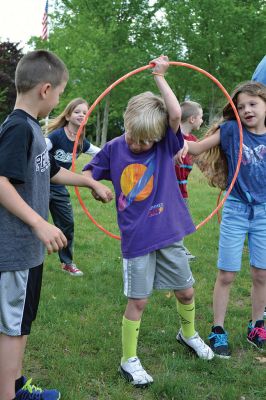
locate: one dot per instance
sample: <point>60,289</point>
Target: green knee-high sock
<point>130,333</point>
<point>186,313</point>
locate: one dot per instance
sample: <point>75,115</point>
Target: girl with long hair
<point>244,212</point>
<point>62,132</point>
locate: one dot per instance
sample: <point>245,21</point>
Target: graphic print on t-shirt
<point>63,156</point>
<point>42,161</point>
<point>253,156</point>
<point>136,182</point>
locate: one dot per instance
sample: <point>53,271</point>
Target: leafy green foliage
<point>218,37</point>
<point>10,54</point>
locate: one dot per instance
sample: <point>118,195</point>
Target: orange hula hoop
<point>134,72</point>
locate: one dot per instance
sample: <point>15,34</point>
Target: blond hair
<point>145,118</point>
<point>61,120</point>
<point>213,162</point>
<point>189,109</point>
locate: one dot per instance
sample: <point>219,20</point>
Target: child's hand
<point>179,157</point>
<point>161,64</point>
<point>102,193</point>
<point>51,236</point>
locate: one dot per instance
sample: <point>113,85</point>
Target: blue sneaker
<point>31,392</point>
<point>219,342</point>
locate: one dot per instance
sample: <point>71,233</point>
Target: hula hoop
<point>218,212</point>
<point>136,71</point>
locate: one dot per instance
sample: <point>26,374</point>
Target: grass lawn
<point>75,344</point>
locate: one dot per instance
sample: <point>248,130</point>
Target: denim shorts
<point>166,268</point>
<point>238,221</point>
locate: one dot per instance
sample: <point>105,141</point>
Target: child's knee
<point>185,296</point>
<point>259,276</point>
<point>225,277</point>
<point>138,304</point>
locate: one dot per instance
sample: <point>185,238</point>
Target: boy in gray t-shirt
<point>25,172</point>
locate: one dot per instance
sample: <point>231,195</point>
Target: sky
<point>21,19</point>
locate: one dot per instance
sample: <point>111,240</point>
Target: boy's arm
<point>172,104</point>
<point>66,177</point>
<point>50,235</point>
<point>88,174</point>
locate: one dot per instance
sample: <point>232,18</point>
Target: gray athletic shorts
<point>19,300</point>
<point>166,268</point>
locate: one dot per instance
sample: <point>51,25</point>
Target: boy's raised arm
<point>161,65</point>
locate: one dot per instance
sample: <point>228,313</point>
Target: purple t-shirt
<point>151,212</point>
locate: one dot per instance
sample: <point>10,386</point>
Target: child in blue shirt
<point>244,210</point>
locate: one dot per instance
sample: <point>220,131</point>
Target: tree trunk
<point>212,106</point>
<point>105,120</point>
<point>98,127</point>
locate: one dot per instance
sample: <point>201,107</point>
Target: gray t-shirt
<point>25,161</point>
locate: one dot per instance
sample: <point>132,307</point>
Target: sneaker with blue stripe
<point>219,342</point>
<point>31,392</point>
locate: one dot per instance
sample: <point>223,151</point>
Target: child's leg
<point>187,335</point>
<point>130,367</point>
<point>221,295</point>
<point>62,213</point>
<point>130,327</point>
<point>256,334</point>
<point>11,357</point>
<point>258,293</point>
<point>138,274</point>
<point>186,310</point>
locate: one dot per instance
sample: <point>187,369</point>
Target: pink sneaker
<point>71,269</point>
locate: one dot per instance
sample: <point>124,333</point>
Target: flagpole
<point>45,36</point>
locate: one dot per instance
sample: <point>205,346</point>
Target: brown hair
<point>213,162</point>
<point>39,66</point>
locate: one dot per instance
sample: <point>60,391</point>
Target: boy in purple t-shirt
<point>140,166</point>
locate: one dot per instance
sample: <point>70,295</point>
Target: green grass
<point>75,344</point>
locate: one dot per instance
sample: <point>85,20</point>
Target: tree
<point>100,42</point>
<point>10,54</point>
<point>218,37</point>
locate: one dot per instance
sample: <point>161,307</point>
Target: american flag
<point>45,22</point>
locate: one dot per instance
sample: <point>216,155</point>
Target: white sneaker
<point>134,373</point>
<point>197,345</point>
